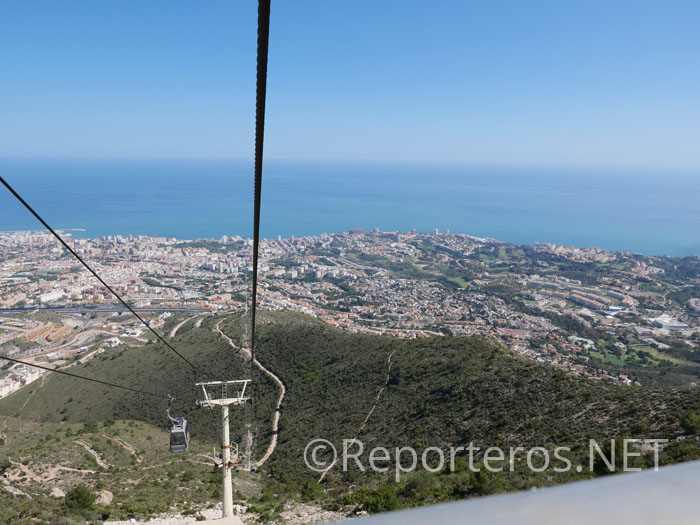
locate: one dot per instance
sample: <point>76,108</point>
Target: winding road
<point>283,390</point>
<point>174,331</point>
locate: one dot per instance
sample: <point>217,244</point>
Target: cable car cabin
<point>179,435</point>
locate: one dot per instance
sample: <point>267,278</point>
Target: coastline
<point>646,213</point>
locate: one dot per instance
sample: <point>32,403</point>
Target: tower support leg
<point>226,488</point>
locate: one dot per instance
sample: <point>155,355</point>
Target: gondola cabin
<point>179,435</point>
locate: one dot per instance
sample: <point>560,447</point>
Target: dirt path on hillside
<point>26,401</point>
<point>102,463</point>
<point>131,450</point>
<point>371,410</point>
<point>212,463</point>
<point>49,475</point>
<point>283,391</point>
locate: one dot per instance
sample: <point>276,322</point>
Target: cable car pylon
<point>238,398</point>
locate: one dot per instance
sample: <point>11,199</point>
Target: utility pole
<point>224,402</point>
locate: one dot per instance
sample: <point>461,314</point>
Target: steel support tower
<point>224,402</point>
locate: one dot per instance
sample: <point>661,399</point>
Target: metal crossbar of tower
<point>237,398</point>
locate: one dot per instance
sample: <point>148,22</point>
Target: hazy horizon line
<point>484,164</point>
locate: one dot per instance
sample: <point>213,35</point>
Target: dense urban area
<point>620,317</point>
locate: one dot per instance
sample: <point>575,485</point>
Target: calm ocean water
<point>652,213</point>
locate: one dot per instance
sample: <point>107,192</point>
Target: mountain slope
<point>437,392</point>
<point>444,391</point>
<point>152,368</point>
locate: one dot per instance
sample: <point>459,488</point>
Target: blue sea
<point>646,212</point>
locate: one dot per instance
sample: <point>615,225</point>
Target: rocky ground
<point>293,514</point>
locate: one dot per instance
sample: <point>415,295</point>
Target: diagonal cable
<point>106,383</point>
<point>93,272</point>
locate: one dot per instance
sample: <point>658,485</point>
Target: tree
<point>311,490</point>
<point>80,497</point>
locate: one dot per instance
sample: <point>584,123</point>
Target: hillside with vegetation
<point>431,392</point>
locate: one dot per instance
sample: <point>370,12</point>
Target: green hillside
<point>438,392</point>
<point>152,368</point>
<point>447,391</point>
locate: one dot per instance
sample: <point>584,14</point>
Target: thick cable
<point>260,97</point>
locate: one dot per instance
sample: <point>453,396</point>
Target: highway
<point>107,308</point>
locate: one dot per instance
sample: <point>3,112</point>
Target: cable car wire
<point>106,383</point>
<point>260,96</point>
<point>93,272</point>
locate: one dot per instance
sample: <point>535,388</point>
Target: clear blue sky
<point>516,82</point>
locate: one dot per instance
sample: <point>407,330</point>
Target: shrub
<point>89,427</point>
<point>691,422</point>
<point>382,499</point>
<point>187,476</point>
